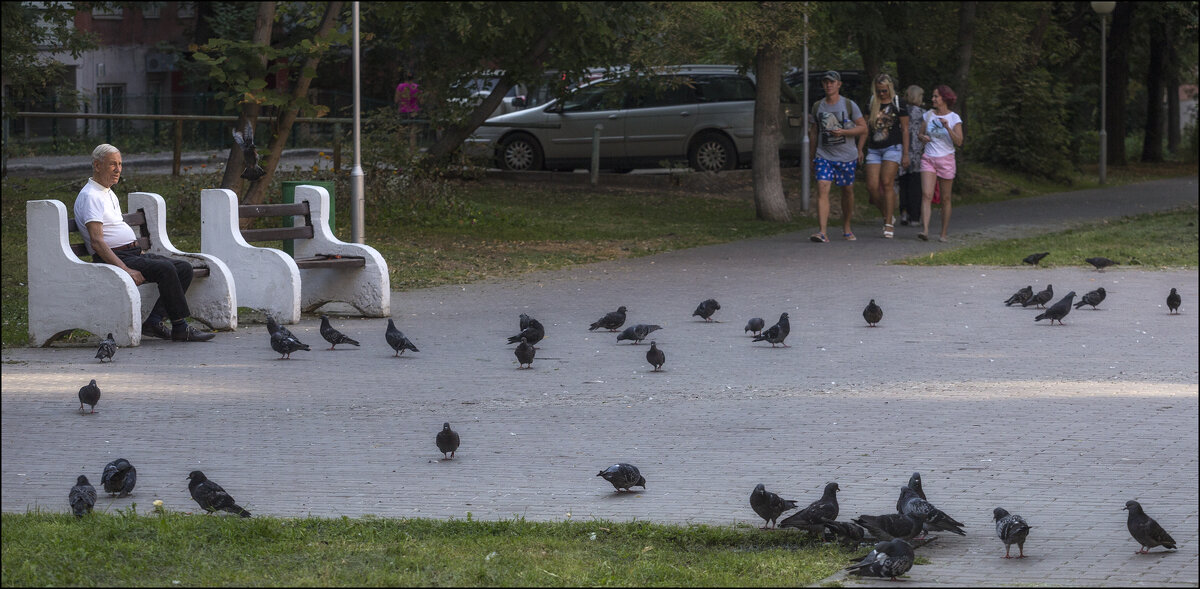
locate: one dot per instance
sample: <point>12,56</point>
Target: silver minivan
<point>701,114</point>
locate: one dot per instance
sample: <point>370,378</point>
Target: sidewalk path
<point>1059,424</point>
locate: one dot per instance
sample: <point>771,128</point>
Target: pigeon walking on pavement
<point>525,353</point>
<point>89,394</point>
<point>1092,298</point>
<point>333,336</point>
<point>755,325</point>
<point>888,560</point>
<point>285,344</point>
<point>82,496</point>
<point>814,517</point>
<point>1033,259</point>
<point>776,333</point>
<point>119,477</point>
<point>523,321</point>
<point>656,357</point>
<point>395,339</point>
<point>274,327</point>
<point>1041,298</point>
<point>637,333</point>
<point>892,525</point>
<point>1020,296</point>
<point>1173,302</point>
<point>1100,262</point>
<point>706,309</point>
<point>533,334</point>
<point>210,496</point>
<point>108,347</point>
<point>1011,529</point>
<point>1058,310</point>
<point>768,505</point>
<point>245,141</point>
<point>911,503</point>
<point>623,476</point>
<point>872,313</point>
<point>610,321</point>
<point>447,441</point>
<point>1145,530</point>
<point>914,483</point>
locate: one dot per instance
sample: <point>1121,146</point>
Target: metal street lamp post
<point>805,178</point>
<point>1103,9</point>
<point>357,177</point>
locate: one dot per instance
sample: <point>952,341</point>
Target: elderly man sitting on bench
<point>112,241</point>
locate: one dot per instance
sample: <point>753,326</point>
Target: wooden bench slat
<point>342,262</point>
<point>277,233</point>
<point>273,210</point>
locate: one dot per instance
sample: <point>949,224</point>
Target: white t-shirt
<point>941,144</point>
<point>97,203</point>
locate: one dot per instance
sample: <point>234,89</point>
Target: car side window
<point>599,96</point>
<point>663,91</point>
<point>724,88</point>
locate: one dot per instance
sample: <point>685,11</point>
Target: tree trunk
<point>966,40</point>
<point>769,201</point>
<point>1172,77</point>
<point>1120,41</point>
<point>869,49</point>
<point>1152,147</point>
<point>235,164</point>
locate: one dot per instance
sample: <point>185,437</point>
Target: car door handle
<point>685,114</point>
<point>612,116</point>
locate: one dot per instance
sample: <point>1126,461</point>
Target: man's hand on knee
<point>138,279</point>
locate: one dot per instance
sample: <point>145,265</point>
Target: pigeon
<point>638,332</point>
<point>755,325</point>
<point>1041,298</point>
<point>914,483</point>
<point>776,333</point>
<point>533,334</point>
<point>623,476</point>
<point>273,327</point>
<point>245,141</point>
<point>872,313</point>
<point>892,526</point>
<point>523,321</point>
<point>1173,301</point>
<point>1033,259</point>
<point>813,517</point>
<point>525,353</point>
<point>447,440</point>
<point>706,309</point>
<point>1142,527</point>
<point>847,532</point>
<point>396,339</point>
<point>1092,298</point>
<point>1100,263</point>
<point>1058,310</point>
<point>888,559</point>
<point>1011,529</point>
<point>1020,296</point>
<point>89,394</point>
<point>934,519</point>
<point>108,347</point>
<point>285,344</point>
<point>655,356</point>
<point>119,477</point>
<point>211,496</point>
<point>333,336</point>
<point>82,497</point>
<point>768,505</point>
<point>610,321</point>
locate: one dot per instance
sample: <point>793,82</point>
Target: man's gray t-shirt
<point>843,148</point>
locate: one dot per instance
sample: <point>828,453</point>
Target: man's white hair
<point>102,151</point>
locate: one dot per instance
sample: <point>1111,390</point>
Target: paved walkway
<point>1059,424</point>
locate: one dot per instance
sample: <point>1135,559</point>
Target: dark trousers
<point>910,195</point>
<point>173,278</point>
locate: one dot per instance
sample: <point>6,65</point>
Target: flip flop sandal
<point>922,237</point>
<point>819,238</point>
<point>888,230</point>
<point>849,236</point>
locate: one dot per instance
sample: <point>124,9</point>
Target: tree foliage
<point>29,29</point>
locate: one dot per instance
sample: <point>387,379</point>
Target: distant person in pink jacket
<point>407,94</point>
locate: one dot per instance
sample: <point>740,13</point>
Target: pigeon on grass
<point>395,338</point>
<point>872,313</point>
<point>755,325</point>
<point>82,497</point>
<point>1011,529</point>
<point>89,394</point>
<point>768,505</point>
<point>333,336</point>
<point>1092,298</point>
<point>119,477</point>
<point>1145,530</point>
<point>813,518</point>
<point>210,496</point>
<point>846,532</point>
<point>1033,259</point>
<point>108,347</point>
<point>776,333</point>
<point>525,353</point>
<point>1019,297</point>
<point>888,560</point>
<point>656,357</point>
<point>610,321</point>
<point>637,333</point>
<point>447,441</point>
<point>706,309</point>
<point>623,476</point>
<point>1058,310</point>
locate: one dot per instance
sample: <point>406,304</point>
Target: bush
<point>1021,126</point>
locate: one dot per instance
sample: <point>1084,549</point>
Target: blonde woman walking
<point>887,148</point>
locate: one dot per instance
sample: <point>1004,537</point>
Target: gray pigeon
<point>523,321</point>
<point>285,344</point>
<point>623,476</point>
<point>447,440</point>
<point>108,347</point>
<point>210,496</point>
<point>1173,301</point>
<point>274,327</point>
<point>1145,530</point>
<point>1011,529</point>
<point>934,519</point>
<point>1033,259</point>
<point>755,325</point>
<point>1020,296</point>
<point>1092,298</point>
<point>914,483</point>
<point>638,332</point>
<point>1041,298</point>
<point>333,336</point>
<point>533,334</point>
<point>706,309</point>
<point>525,353</point>
<point>1058,310</point>
<point>846,532</point>
<point>245,141</point>
<point>888,559</point>
<point>892,526</point>
<point>89,394</point>
<point>119,477</point>
<point>655,357</point>
<point>82,497</point>
<point>395,339</point>
<point>768,505</point>
<point>872,313</point>
<point>610,321</point>
<point>813,517</point>
<point>1100,262</point>
<point>776,333</point>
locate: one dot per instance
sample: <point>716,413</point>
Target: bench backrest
<point>304,231</point>
<point>136,219</point>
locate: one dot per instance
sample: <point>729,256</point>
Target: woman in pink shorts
<point>942,131</point>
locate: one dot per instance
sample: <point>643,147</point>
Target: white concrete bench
<point>324,270</point>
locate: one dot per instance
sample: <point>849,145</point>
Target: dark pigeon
<point>1011,529</point>
<point>914,483</point>
<point>872,313</point>
<point>333,336</point>
<point>934,519</point>
<point>888,559</point>
<point>533,334</point>
<point>768,505</point>
<point>610,321</point>
<point>1033,259</point>
<point>1173,301</point>
<point>1058,310</point>
<point>395,339</point>
<point>245,141</point>
<point>892,526</point>
<point>846,532</point>
<point>1020,296</point>
<point>82,497</point>
<point>706,309</point>
<point>273,327</point>
<point>755,325</point>
<point>1092,298</point>
<point>285,344</point>
<point>638,332</point>
<point>119,477</point>
<point>623,476</point>
<point>1100,263</point>
<point>108,347</point>
<point>523,321</point>
<point>813,517</point>
<point>655,356</point>
<point>89,394</point>
<point>1145,530</point>
<point>447,441</point>
<point>525,353</point>
<point>776,333</point>
<point>1041,298</point>
<point>210,496</point>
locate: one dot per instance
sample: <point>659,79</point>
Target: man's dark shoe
<point>187,333</point>
<point>158,330</point>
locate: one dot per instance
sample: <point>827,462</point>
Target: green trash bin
<point>289,197</point>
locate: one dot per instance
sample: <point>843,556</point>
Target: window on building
<point>108,12</point>
<point>186,10</point>
<point>110,98</point>
<point>151,9</point>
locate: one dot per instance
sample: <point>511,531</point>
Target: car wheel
<point>520,152</point>
<point>712,152</point>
